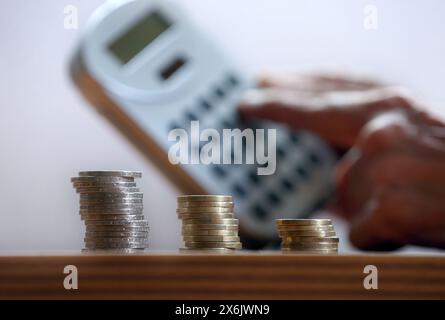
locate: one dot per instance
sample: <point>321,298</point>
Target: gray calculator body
<point>146,67</point>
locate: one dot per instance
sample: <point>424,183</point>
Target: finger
<point>338,118</point>
<point>369,233</point>
<point>399,216</point>
<point>317,82</point>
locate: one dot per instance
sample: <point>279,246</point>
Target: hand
<point>390,184</point>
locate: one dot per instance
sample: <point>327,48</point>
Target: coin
<point>131,211</point>
<point>134,223</point>
<point>104,184</point>
<point>211,238</point>
<point>110,201</point>
<point>98,190</point>
<point>305,228</point>
<point>308,234</point>
<point>208,220</point>
<point>94,245</point>
<point>233,233</point>
<point>207,198</point>
<point>203,209</point>
<point>198,245</point>
<point>131,228</point>
<point>105,207</point>
<point>209,227</point>
<point>101,179</point>
<point>303,222</point>
<point>99,240</point>
<point>112,217</point>
<point>112,196</point>
<point>207,250</point>
<point>321,251</point>
<point>289,239</point>
<point>310,245</point>
<point>113,234</point>
<point>199,204</point>
<point>195,216</point>
<point>110,173</point>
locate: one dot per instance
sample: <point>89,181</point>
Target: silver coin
<point>135,211</point>
<point>108,241</point>
<point>191,227</point>
<point>112,195</point>
<point>75,180</point>
<point>111,173</point>
<point>196,245</point>
<point>100,246</point>
<point>96,184</point>
<point>113,251</point>
<point>125,223</point>
<point>88,217</point>
<point>110,201</point>
<point>117,191</point>
<point>116,229</point>
<point>105,207</point>
<point>113,234</point>
<point>98,238</point>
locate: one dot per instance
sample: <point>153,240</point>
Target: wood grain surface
<point>265,275</point>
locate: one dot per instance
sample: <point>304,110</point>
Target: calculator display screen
<point>141,34</point>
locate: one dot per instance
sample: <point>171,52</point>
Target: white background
<point>48,132</point>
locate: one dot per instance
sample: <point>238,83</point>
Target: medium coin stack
<point>208,222</point>
<point>307,235</point>
<point>111,205</point>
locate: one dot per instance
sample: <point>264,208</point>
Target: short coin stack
<point>307,235</point>
<point>208,222</point>
<point>111,206</point>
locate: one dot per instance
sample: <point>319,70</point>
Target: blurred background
<point>48,132</point>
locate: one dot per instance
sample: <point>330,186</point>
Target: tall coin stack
<point>208,222</point>
<point>111,205</point>
<point>308,235</point>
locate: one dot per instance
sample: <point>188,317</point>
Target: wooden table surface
<point>244,275</point>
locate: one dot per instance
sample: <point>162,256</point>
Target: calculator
<point>149,69</point>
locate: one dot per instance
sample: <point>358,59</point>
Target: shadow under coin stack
<point>308,235</point>
<point>208,223</point>
<point>111,206</point>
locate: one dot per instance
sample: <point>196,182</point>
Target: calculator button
<point>273,198</point>
<point>314,158</point>
<point>287,184</point>
<point>219,171</point>
<point>281,153</point>
<point>191,116</point>
<point>219,93</point>
<point>239,190</point>
<point>205,105</point>
<point>294,138</point>
<point>253,177</point>
<point>259,212</point>
<point>302,173</point>
<point>232,80</point>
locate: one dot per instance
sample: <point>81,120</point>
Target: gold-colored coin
<point>307,234</point>
<point>205,220</point>
<point>211,239</point>
<point>203,209</point>
<point>207,198</point>
<point>304,246</point>
<point>233,233</point>
<point>198,204</point>
<point>192,227</point>
<point>212,215</point>
<point>305,228</point>
<point>199,245</point>
<point>297,251</point>
<point>310,239</point>
<point>303,222</point>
